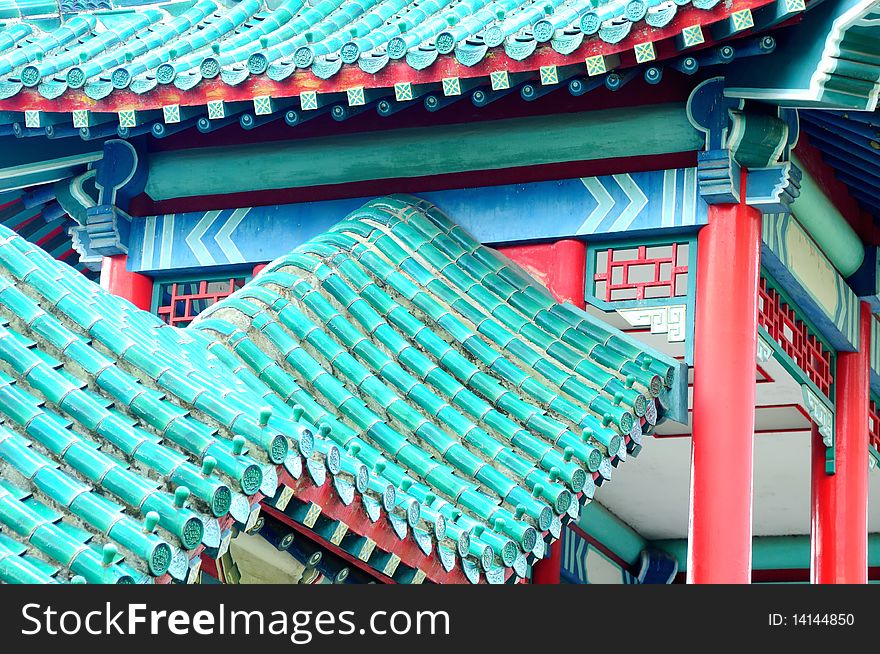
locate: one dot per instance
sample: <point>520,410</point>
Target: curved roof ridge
<point>434,385</point>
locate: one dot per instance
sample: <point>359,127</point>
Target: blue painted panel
<point>611,204</point>
<point>574,557</point>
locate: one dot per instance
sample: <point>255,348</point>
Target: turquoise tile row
<point>427,379</point>
<point>139,48</point>
<point>447,372</point>
<point>133,438</point>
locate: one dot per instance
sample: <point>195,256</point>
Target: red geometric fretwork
<point>643,272</point>
<point>874,424</point>
<point>180,302</point>
<point>796,340</point>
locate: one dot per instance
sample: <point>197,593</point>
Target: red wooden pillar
<point>549,569</point>
<point>134,287</point>
<point>839,525</point>
<point>725,349</point>
<point>561,266</point>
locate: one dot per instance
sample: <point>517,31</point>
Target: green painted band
<point>398,153</point>
<point>771,552</point>
<point>825,224</point>
<point>612,532</point>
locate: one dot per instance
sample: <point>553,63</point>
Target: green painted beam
<point>612,532</point>
<point>420,152</point>
<point>771,552</point>
<point>27,162</point>
<point>825,224</point>
<point>19,153</point>
<point>45,172</point>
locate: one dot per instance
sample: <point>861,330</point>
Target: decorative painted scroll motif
<point>804,272</point>
<point>765,350</point>
<point>670,320</point>
<point>820,414</point>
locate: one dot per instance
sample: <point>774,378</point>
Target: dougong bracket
<point>119,176</point>
<point>758,139</point>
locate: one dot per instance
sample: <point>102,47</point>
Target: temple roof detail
<point>391,374</point>
<point>193,53</point>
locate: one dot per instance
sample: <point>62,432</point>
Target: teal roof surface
<point>429,381</point>
<point>181,44</point>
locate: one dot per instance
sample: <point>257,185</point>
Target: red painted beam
<point>725,347</point>
<point>839,525</point>
<point>134,287</point>
<point>358,522</point>
<point>326,544</point>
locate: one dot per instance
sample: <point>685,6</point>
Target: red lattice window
<point>792,334</point>
<point>874,422</point>
<point>641,273</point>
<point>180,302</point>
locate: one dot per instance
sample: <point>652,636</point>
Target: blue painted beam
<point>611,205</point>
<point>859,146</point>
<point>844,123</point>
<point>829,147</point>
<point>801,270</point>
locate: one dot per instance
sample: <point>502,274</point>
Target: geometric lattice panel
<point>641,273</point>
<point>874,426</point>
<point>794,337</point>
<point>181,302</point>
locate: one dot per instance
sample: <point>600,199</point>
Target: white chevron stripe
<point>637,201</point>
<point>669,179</point>
<point>149,242</point>
<point>605,203</point>
<point>581,560</point>
<point>167,241</point>
<point>194,238</point>
<point>224,236</point>
<point>689,204</point>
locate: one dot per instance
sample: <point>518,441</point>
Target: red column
<point>134,287</point>
<point>725,344</point>
<point>549,570</point>
<point>562,267</point>
<point>839,525</point>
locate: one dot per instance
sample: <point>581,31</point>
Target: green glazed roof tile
<point>145,46</point>
<point>394,353</point>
